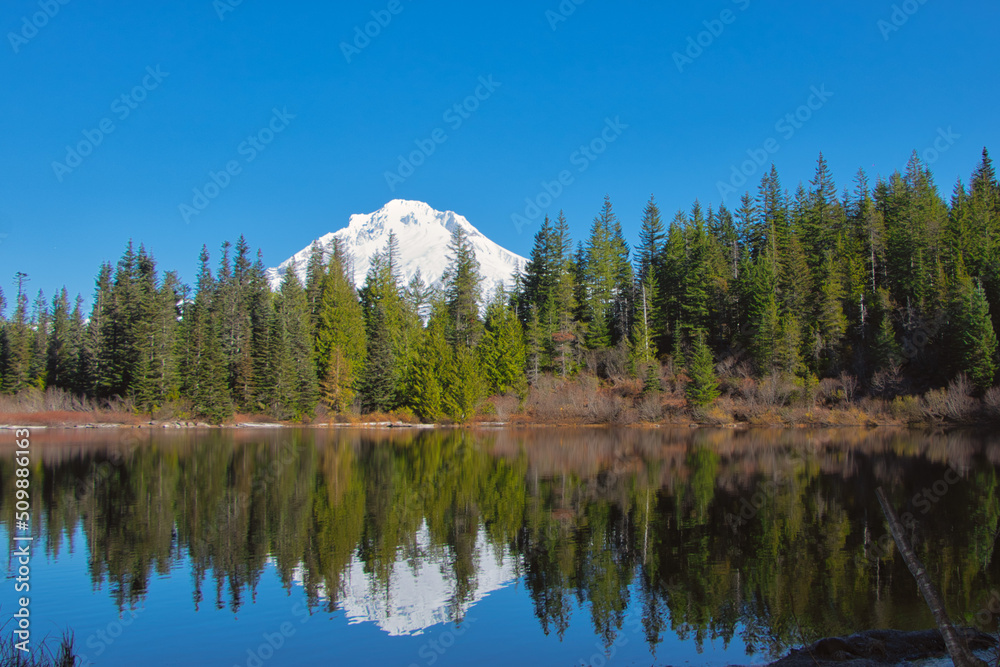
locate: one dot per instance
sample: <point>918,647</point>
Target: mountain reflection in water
<point>762,539</point>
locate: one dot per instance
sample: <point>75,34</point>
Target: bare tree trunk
<point>960,654</point>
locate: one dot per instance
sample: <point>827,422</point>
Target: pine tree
<point>292,310</point>
<point>762,313</point>
<point>254,381</point>
<point>770,223</point>
<point>608,281</point>
<point>703,388</point>
<point>340,338</point>
<point>240,327</point>
<point>78,342</point>
<point>378,387</point>
<point>501,352</point>
<point>669,293</point>
<point>150,362</point>
<point>419,295</point>
<point>788,344</point>
<point>15,346</point>
<point>698,273</point>
<point>165,315</point>
<point>61,356</point>
<point>831,324</point>
<point>426,376</point>
<point>464,388</point>
<point>648,320</point>
<point>823,219</point>
<point>643,334</point>
<point>399,319</point>
<point>977,340</point>
<point>886,350</point>
<point>652,237</point>
<point>462,290</point>
<point>117,355</point>
<point>203,361</point>
<point>39,337</point>
<point>315,280</point>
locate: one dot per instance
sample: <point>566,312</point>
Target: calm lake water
<point>567,547</point>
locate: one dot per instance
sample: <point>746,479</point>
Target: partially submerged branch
<point>960,654</point>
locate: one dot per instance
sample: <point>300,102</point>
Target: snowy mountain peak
<point>423,234</point>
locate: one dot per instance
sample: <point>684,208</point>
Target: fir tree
<point>15,346</point>
<point>60,356</point>
<point>204,378</point>
<point>464,387</point>
<point>976,338</point>
<point>292,311</point>
<point>378,387</point>
<point>426,376</point>
<point>703,388</point>
<point>652,237</point>
<point>762,313</point>
<point>831,324</point>
<point>254,381</point>
<point>240,327</point>
<point>39,337</point>
<point>607,276</point>
<point>502,351</point>
<point>643,334</point>
<point>462,290</point>
<point>823,218</point>
<point>340,338</point>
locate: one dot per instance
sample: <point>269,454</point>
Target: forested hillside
<point>888,287</point>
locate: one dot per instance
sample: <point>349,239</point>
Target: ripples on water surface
<point>545,547</point>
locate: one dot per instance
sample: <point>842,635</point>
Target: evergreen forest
<point>887,290</point>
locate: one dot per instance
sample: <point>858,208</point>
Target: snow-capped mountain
<point>423,235</point>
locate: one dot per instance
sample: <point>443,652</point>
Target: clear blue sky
<point>220,80</point>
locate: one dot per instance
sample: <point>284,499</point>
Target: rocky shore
<point>878,648</point>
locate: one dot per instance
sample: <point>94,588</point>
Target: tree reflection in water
<point>771,536</point>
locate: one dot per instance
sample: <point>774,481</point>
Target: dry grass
<point>41,657</point>
<point>55,407</point>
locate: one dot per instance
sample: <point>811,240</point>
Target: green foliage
<point>607,277</point>
<point>341,347</point>
<point>428,373</point>
<point>976,340</point>
<point>703,387</point>
<point>465,388</point>
<point>800,284</point>
<point>462,290</point>
<point>502,355</point>
<point>378,386</point>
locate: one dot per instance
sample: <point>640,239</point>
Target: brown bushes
<point>581,400</point>
<point>954,403</point>
<point>991,403</point>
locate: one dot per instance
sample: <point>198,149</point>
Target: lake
<point>254,547</point>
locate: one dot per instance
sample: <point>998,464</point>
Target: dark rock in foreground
<point>877,648</point>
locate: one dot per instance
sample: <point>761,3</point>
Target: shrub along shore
<point>580,401</point>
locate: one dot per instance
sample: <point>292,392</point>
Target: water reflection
<point>774,538</point>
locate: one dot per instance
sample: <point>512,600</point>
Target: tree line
<point>888,282</point>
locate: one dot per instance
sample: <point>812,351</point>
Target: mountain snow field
<point>423,233</point>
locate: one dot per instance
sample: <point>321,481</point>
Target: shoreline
<point>43,423</point>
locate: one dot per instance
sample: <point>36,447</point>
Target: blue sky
<point>300,131</point>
